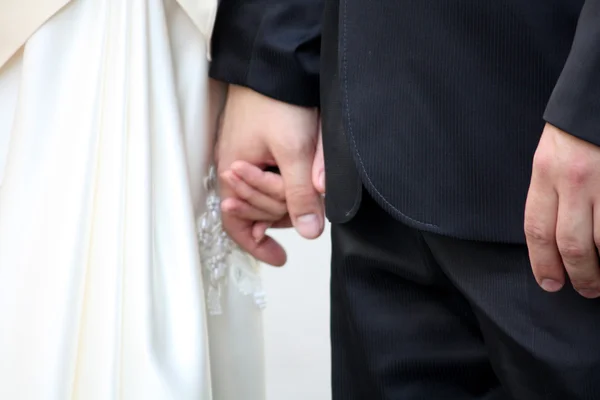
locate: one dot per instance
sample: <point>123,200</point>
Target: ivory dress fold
<point>107,123</point>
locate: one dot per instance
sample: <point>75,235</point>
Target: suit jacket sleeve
<point>574,105</point>
<point>270,46</point>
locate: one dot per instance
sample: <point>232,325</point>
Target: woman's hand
<point>261,194</point>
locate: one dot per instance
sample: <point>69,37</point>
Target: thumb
<point>318,169</point>
<point>305,206</point>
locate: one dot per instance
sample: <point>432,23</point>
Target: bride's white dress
<point>106,290</point>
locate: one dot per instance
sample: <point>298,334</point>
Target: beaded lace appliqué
<point>222,261</point>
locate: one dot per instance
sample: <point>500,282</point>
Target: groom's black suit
<point>435,107</point>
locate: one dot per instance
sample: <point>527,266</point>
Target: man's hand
<point>263,132</point>
<point>562,215</point>
<point>318,167</point>
<point>255,184</point>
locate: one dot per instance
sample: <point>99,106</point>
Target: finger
<point>242,210</point>
<point>283,223</point>
<point>596,219</point>
<point>575,239</point>
<point>304,203</point>
<point>269,183</point>
<point>260,228</point>
<point>240,231</point>
<point>267,250</point>
<point>237,127</point>
<point>540,232</point>
<point>253,197</point>
<point>318,170</point>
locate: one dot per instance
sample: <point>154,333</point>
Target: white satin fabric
<point>105,137</point>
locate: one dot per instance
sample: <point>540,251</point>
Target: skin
<point>264,132</point>
<point>257,184</point>
<point>562,214</point>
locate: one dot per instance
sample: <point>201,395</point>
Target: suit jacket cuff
<point>574,105</point>
<point>268,50</point>
<point>281,81</point>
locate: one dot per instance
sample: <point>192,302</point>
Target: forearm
<point>270,46</point>
<point>574,106</point>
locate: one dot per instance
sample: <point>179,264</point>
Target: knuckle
<point>571,249</point>
<point>578,173</point>
<point>537,234</point>
<point>585,283</point>
<point>542,163</point>
<point>300,195</point>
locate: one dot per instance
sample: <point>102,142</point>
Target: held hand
<point>261,194</point>
<point>263,131</point>
<point>562,214</point>
<point>260,197</point>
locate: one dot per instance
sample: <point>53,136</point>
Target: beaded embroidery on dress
<point>222,261</point>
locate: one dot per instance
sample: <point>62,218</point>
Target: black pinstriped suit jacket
<point>435,106</point>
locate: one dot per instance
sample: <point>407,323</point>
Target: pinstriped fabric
<point>419,316</point>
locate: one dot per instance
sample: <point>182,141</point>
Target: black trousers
<point>418,316</point>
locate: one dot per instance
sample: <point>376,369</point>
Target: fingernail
<point>308,225</point>
<point>589,293</point>
<point>322,180</point>
<point>550,285</point>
